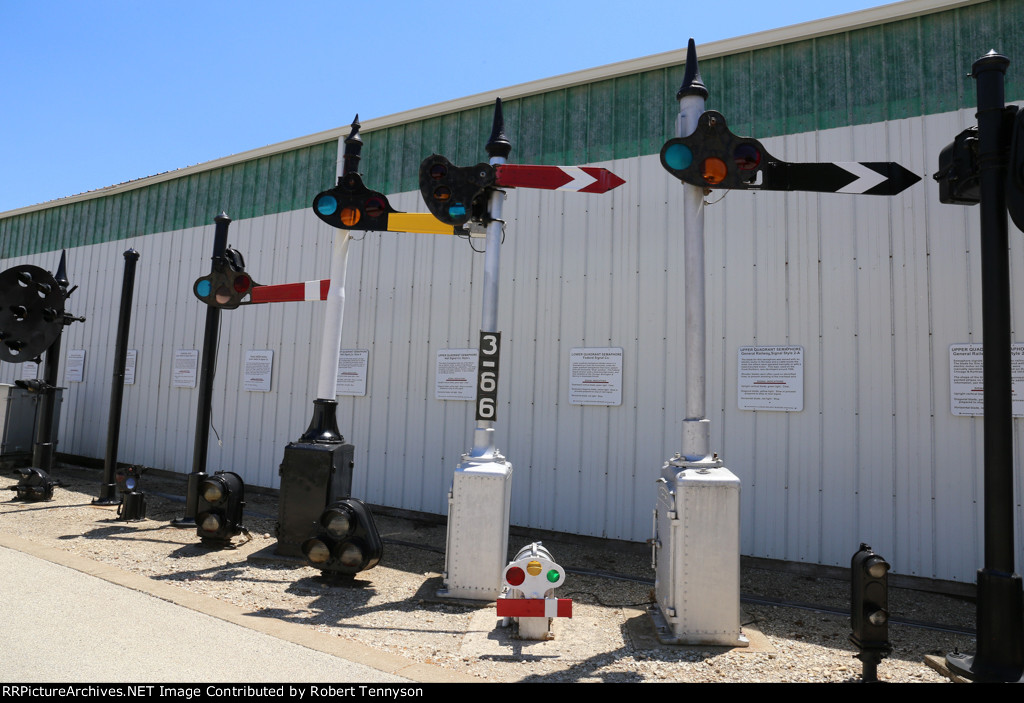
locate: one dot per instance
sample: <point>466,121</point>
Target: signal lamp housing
<point>346,540</point>
<point>34,485</point>
<point>219,508</point>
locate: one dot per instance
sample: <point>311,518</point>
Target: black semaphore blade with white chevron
<point>713,157</point>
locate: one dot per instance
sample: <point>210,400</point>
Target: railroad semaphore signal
<point>480,497</point>
<point>713,157</point>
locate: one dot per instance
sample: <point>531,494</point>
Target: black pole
<point>45,447</point>
<point>207,371</point>
<point>1000,615</point>
<point>108,489</point>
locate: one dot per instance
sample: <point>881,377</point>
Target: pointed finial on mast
<point>62,270</point>
<point>353,147</point>
<point>692,83</point>
<point>498,145</point>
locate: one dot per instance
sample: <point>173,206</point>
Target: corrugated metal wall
<point>874,289</point>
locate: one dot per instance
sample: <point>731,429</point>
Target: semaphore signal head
<point>351,205</point>
<point>714,157</point>
<point>228,285</point>
<point>455,195</point>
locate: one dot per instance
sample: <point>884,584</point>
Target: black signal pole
<point>207,370</point>
<point>108,489</point>
<point>1000,615</point>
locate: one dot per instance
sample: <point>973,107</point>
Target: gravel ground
<point>392,607</point>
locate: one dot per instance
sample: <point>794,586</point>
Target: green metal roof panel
<point>900,69</point>
<point>276,183</point>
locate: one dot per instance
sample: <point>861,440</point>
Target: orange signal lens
<point>714,170</point>
<point>349,216</point>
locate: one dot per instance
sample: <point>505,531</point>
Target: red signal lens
<point>374,207</point>
<point>747,157</point>
<point>438,171</point>
<point>242,283</point>
<point>515,576</point>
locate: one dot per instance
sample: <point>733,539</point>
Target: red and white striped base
<point>535,607</point>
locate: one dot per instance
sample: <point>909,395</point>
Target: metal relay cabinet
<point>18,422</point>
<point>697,557</point>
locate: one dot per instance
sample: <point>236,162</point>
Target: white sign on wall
<point>352,367</point>
<point>130,359</point>
<point>259,366</point>
<point>455,374</point>
<point>770,378</point>
<point>966,389</point>
<point>186,364</point>
<point>30,369</point>
<point>595,376</point>
<point>75,371</point>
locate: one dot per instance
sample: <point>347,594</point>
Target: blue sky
<point>99,92</point>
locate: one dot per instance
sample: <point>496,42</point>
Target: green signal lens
<point>327,205</point>
<point>553,576</point>
<point>678,157</point>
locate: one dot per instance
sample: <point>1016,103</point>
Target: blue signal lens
<point>203,288</point>
<point>678,157</point>
<point>327,205</point>
<point>457,210</point>
<point>130,484</point>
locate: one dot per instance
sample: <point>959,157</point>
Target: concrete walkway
<point>66,618</point>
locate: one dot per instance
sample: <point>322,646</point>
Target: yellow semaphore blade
<point>422,222</point>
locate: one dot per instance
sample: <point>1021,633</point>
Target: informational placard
<point>259,366</point>
<point>186,366</point>
<point>352,367</point>
<point>966,389</point>
<point>75,370</point>
<point>455,374</point>
<point>770,378</point>
<point>595,376</point>
<point>30,369</point>
<point>130,359</point>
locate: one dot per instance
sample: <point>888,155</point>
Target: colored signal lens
<point>203,288</point>
<point>222,296</point>
<point>210,523</point>
<point>714,170</point>
<point>515,576</point>
<point>129,483</point>
<point>317,552</point>
<point>350,216</point>
<point>212,492</point>
<point>242,283</point>
<point>438,171</point>
<point>457,210</point>
<point>338,525</point>
<point>327,205</point>
<point>533,568</point>
<point>678,157</point>
<point>553,576</point>
<point>442,193</point>
<point>747,157</point>
<point>876,568</point>
<point>374,207</point>
<point>351,556</point>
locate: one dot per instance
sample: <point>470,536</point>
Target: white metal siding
<point>874,289</point>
